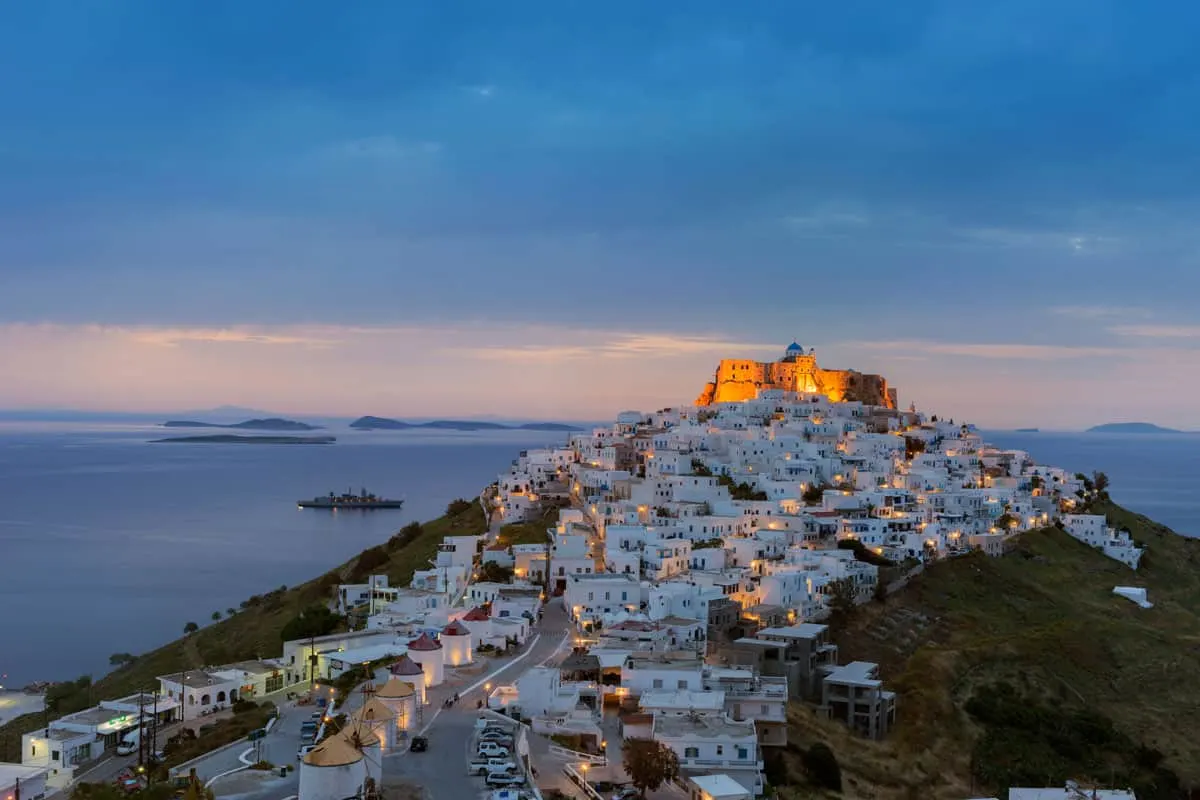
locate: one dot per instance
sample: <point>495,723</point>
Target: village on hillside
<point>695,559</point>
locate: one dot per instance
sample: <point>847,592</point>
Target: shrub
<point>458,506</point>
<point>821,767</point>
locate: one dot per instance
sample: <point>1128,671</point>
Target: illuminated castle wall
<point>797,371</point>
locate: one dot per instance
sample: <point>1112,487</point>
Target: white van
<point>129,745</point>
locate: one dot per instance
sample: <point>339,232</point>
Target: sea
<point>109,543</point>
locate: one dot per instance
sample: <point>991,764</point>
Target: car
<point>419,744</point>
<point>493,734</point>
<point>492,750</point>
<point>304,750</point>
<point>497,779</point>
<point>628,793</point>
<point>489,766</point>
<point>503,741</point>
<point>317,715</point>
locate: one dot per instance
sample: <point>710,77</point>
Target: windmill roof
<point>336,751</point>
<point>424,642</point>
<point>395,688</point>
<point>476,614</point>
<point>406,666</point>
<point>456,628</point>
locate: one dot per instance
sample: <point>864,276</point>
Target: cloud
<point>174,337</point>
<point>611,345</point>
<point>1005,351</point>
<point>1101,312</point>
<point>384,147</point>
<point>1158,331</point>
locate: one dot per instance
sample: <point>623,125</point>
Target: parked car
<point>498,779</point>
<point>304,750</point>
<point>488,766</point>
<point>628,793</point>
<point>492,750</point>
<point>419,744</point>
<point>492,735</point>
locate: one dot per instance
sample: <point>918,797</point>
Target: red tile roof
<point>424,642</point>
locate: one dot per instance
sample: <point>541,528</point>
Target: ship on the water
<point>363,500</point>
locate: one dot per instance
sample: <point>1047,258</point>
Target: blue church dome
<point>794,348</point>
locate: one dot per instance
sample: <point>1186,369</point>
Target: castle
<point>797,371</point>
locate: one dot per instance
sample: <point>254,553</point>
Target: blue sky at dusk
<point>566,208</point>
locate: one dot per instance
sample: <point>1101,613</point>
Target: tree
<point>1100,481</point>
<point>649,763</point>
<point>1006,521</point>
<point>492,572</point>
<point>191,627</point>
<point>821,766</point>
<point>121,659</point>
<point>229,612</point>
<point>841,597</point>
<point>457,507</point>
<point>216,615</point>
<point>813,495</point>
<point>316,620</point>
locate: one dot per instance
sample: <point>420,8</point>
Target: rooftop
<point>683,700</point>
<point>196,679</point>
<point>11,773</point>
<point>707,727</point>
<point>719,786</point>
<point>858,672</point>
<point>805,630</point>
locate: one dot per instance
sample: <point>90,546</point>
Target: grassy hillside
<point>1027,670</point>
<point>254,631</point>
<point>531,532</point>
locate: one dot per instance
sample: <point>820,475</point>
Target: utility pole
<point>154,726</point>
<point>141,727</point>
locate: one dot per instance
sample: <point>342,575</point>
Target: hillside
<point>255,631</point>
<point>1068,680</point>
<point>1130,427</point>
<point>383,423</point>
<point>269,424</point>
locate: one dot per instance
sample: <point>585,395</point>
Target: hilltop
<point>1027,670</point>
<point>256,631</point>
<point>1131,427</point>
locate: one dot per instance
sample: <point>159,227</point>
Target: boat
<point>363,500</point>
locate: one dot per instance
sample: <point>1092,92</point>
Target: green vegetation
<point>813,494</point>
<point>1089,686</point>
<point>316,620</point>
<point>185,746</point>
<point>491,572</point>
<point>649,764</point>
<point>531,532</point>
<point>740,491</point>
<point>255,632</point>
<point>864,553</point>
<point>700,468</point>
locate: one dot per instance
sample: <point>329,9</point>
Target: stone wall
<point>739,379</point>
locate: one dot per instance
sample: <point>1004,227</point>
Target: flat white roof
<point>683,699</point>
<point>859,672</point>
<point>804,630</point>
<point>359,655</point>
<point>11,773</point>
<point>719,786</point>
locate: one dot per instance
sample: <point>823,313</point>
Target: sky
<point>565,209</point>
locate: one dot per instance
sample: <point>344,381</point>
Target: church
<point>796,371</point>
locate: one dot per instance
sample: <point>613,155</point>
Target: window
<point>720,750</point>
<point>691,752</point>
<point>743,754</point>
<point>657,684</point>
<point>590,598</point>
<point>625,595</point>
<point>54,755</point>
<point>608,597</point>
<point>681,684</point>
<point>765,709</point>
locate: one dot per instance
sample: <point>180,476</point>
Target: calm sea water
<point>110,544</point>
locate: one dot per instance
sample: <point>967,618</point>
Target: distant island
<point>269,424</point>
<point>228,438</point>
<point>1131,427</point>
<point>385,424</point>
<point>1027,430</point>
